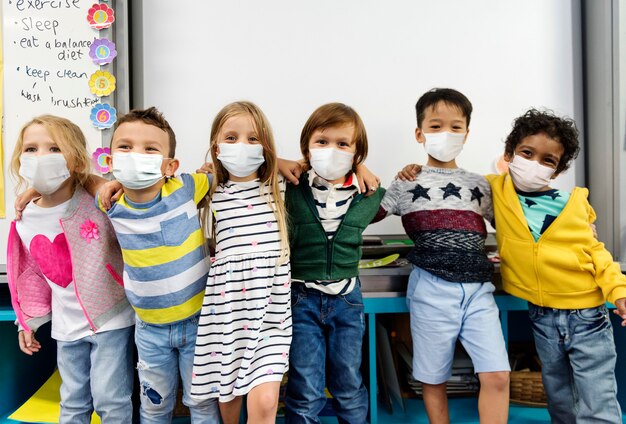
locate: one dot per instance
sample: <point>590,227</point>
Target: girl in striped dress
<point>244,332</point>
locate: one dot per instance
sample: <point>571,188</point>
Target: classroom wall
<point>46,71</point>
<point>190,58</point>
<point>379,57</point>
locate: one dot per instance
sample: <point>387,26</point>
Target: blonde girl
<point>244,331</point>
<point>63,265</point>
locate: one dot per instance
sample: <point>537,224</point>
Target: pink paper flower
<point>100,161</point>
<point>89,230</point>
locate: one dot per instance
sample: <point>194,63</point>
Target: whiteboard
<point>47,69</point>
<point>290,57</point>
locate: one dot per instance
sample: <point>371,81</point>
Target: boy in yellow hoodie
<point>550,257</point>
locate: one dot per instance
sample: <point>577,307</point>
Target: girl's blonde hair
<point>70,140</point>
<point>268,171</point>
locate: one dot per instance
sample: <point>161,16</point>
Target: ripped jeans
<point>164,352</point>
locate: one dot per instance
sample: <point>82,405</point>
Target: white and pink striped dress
<point>244,332</point>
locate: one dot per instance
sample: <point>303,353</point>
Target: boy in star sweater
<point>450,294</point>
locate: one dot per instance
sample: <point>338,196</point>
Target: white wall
<point>378,56</point>
<point>41,76</point>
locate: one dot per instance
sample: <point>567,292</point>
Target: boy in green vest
<point>327,215</point>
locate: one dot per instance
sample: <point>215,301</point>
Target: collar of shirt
<point>351,181</point>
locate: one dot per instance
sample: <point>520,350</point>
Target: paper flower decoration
<point>99,159</point>
<point>100,16</point>
<point>102,51</point>
<point>103,116</point>
<point>101,83</point>
<point>500,165</point>
<point>89,230</point>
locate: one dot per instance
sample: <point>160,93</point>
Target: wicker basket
<point>527,388</point>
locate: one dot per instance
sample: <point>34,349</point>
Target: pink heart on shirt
<point>53,258</point>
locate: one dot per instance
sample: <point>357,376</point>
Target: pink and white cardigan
<point>96,268</point>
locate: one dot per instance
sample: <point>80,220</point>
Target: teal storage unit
<point>21,375</point>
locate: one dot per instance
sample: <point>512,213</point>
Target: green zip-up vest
<point>313,255</point>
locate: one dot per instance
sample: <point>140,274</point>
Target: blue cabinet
<point>21,375</point>
<point>462,410</point>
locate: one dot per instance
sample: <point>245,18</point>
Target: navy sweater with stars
<point>443,211</point>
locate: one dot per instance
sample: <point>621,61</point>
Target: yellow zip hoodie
<point>567,268</point>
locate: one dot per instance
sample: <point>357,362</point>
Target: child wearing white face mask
<point>450,294</point>
<point>165,260</point>
<point>244,330</point>
<point>327,215</point>
<point>550,257</point>
<point>63,265</point>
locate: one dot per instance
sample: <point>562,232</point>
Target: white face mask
<point>330,163</point>
<point>137,170</point>
<point>241,159</point>
<point>444,146</point>
<point>44,173</point>
<point>529,175</point>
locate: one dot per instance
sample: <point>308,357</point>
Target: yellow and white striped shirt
<point>165,258</point>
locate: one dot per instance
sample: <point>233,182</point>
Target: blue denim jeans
<point>326,350</point>
<point>578,357</point>
<point>97,374</point>
<point>165,353</point>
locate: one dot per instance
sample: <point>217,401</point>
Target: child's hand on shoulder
<point>23,200</point>
<point>620,309</point>
<point>109,193</point>
<point>206,168</point>
<point>28,342</point>
<point>409,172</point>
<point>367,180</point>
<point>291,169</point>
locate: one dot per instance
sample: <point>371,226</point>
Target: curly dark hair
<point>534,122</point>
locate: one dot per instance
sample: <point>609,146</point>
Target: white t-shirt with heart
<point>42,235</point>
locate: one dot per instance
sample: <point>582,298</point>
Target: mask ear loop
<point>167,177</point>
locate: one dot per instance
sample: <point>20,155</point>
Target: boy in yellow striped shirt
<point>165,264</point>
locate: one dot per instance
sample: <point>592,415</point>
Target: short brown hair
<point>335,115</point>
<point>150,116</point>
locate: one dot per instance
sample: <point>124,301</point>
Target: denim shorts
<point>442,312</point>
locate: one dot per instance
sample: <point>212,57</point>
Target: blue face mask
<point>136,170</point>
